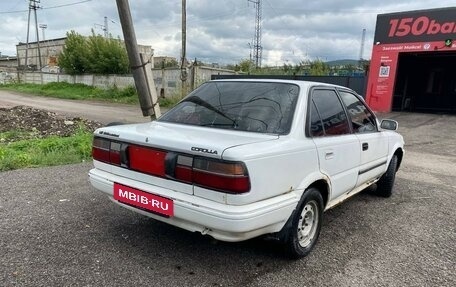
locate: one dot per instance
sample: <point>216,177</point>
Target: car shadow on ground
<point>151,238</point>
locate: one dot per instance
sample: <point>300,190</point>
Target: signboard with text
<point>425,31</point>
<point>416,26</point>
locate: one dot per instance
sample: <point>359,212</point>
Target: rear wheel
<point>386,182</point>
<point>306,224</point>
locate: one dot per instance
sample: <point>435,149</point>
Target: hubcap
<point>308,222</point>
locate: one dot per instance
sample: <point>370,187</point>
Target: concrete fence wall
<point>100,81</point>
<point>167,81</point>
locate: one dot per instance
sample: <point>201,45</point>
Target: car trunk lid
<point>174,155</point>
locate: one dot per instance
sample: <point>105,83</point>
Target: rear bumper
<point>221,221</point>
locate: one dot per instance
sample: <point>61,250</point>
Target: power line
<point>12,12</point>
<point>46,8</point>
<point>65,5</point>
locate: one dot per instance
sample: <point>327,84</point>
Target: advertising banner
<point>416,26</point>
<point>425,31</point>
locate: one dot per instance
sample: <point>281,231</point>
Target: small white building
<point>50,51</point>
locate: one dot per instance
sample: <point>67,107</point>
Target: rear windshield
<point>244,106</point>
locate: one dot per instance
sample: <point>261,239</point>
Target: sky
<point>218,31</point>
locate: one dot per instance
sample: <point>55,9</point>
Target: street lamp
<point>43,27</point>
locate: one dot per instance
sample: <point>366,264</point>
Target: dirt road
<point>93,110</point>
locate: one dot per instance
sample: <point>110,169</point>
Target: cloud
<point>219,31</point>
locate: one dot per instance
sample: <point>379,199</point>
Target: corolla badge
<point>203,150</point>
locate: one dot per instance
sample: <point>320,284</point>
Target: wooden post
<point>136,64</point>
<point>151,85</point>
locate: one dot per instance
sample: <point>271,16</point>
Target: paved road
<point>55,230</point>
<point>93,110</point>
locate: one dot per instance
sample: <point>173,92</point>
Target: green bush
<point>94,54</point>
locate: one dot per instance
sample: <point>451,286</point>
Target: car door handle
<point>329,154</point>
<point>365,146</point>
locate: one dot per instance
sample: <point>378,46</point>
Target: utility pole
<point>28,34</point>
<point>250,57</point>
<point>146,89</point>
<point>33,5</point>
<point>257,48</point>
<point>43,27</point>
<point>36,29</point>
<point>104,27</point>
<point>183,65</point>
<point>106,30</point>
<point>363,39</point>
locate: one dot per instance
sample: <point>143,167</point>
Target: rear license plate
<point>143,200</point>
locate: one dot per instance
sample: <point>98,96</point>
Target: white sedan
<point>237,159</point>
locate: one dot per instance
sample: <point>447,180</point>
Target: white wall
<point>167,81</point>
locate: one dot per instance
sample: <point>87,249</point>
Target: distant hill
<point>343,62</point>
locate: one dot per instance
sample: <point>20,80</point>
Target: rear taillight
<point>106,151</point>
<point>224,176</point>
<point>183,169</point>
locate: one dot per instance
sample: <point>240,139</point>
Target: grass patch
<point>48,151</point>
<point>169,102</point>
<point>63,90</point>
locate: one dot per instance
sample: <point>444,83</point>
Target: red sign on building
<point>413,59</point>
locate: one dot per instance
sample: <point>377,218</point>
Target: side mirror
<point>389,125</point>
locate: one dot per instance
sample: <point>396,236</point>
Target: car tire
<point>386,182</point>
<point>302,235</point>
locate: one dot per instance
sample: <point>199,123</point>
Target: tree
<point>169,63</point>
<point>74,57</point>
<point>287,68</point>
<point>365,65</point>
<point>245,65</point>
<point>234,67</point>
<point>94,54</point>
<point>350,68</point>
<point>107,56</point>
<point>318,68</point>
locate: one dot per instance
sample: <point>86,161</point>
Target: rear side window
<point>246,106</point>
<point>316,126</point>
<point>362,120</point>
<point>332,114</point>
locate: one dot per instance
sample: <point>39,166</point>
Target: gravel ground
<point>56,230</point>
<point>40,123</point>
